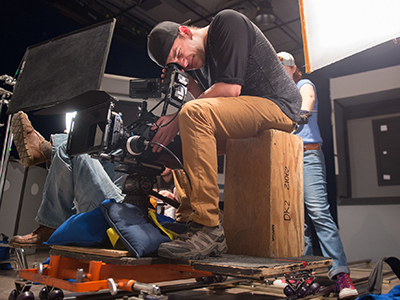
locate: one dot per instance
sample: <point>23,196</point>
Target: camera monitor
<point>62,68</point>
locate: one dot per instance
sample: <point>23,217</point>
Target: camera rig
<point>100,132</point>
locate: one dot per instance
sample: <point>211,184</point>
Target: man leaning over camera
<point>241,89</point>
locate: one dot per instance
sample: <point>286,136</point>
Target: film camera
<point>100,132</point>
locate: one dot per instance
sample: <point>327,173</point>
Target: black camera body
<point>100,131</point>
<point>174,87</point>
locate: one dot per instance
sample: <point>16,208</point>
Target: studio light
<point>265,15</point>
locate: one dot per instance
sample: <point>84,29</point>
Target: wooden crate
<point>263,201</point>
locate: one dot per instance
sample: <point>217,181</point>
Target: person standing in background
<point>315,186</point>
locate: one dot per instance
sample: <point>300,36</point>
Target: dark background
<point>27,22</point>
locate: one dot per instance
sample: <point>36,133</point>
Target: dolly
<point>80,270</point>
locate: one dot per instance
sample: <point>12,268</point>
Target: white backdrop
<point>333,30</point>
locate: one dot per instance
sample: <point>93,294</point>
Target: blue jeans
<point>74,185</point>
<point>317,208</point>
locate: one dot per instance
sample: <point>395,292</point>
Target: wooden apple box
<point>263,200</point>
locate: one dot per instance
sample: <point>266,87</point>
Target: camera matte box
<point>264,195</point>
<point>89,130</point>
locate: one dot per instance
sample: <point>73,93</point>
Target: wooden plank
<point>263,202</point>
<point>258,267</point>
<point>95,251</point>
<point>93,254</point>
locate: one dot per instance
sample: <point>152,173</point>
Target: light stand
<point>5,155</point>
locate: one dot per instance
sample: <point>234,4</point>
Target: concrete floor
<point>243,291</point>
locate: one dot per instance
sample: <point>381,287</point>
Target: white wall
<point>363,170</point>
<point>370,231</point>
<point>367,231</point>
<point>365,83</point>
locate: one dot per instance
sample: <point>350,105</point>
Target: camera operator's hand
<point>168,194</point>
<point>165,134</point>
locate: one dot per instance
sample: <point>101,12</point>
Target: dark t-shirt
<point>237,52</point>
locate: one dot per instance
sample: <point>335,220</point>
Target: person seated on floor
<point>73,185</point>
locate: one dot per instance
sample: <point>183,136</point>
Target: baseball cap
<point>160,41</point>
<point>286,58</point>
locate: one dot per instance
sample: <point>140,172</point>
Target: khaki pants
<point>205,125</point>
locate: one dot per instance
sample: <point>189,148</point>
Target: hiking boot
<point>32,240</point>
<point>32,148</point>
<point>198,242</point>
<point>345,287</point>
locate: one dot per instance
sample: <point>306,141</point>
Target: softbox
<point>334,30</point>
<point>62,68</point>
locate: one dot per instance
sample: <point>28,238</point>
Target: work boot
<point>198,242</point>
<point>345,287</point>
<point>32,240</point>
<point>32,148</point>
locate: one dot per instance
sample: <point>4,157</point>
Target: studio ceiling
<point>136,18</point>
